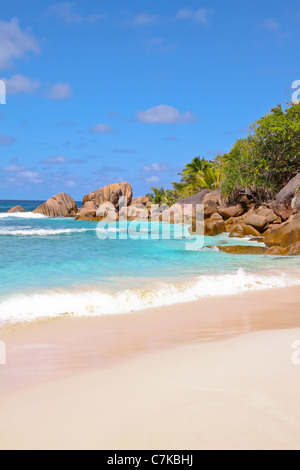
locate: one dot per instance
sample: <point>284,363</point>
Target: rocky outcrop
<point>295,204</point>
<point>61,205</point>
<point>16,209</point>
<point>88,211</point>
<point>229,211</point>
<point>288,192</point>
<point>243,249</point>
<point>210,208</point>
<point>126,191</point>
<point>292,250</point>
<point>282,204</point>
<point>241,230</point>
<point>111,193</point>
<point>108,212</point>
<point>270,215</point>
<point>257,221</point>
<point>91,213</point>
<point>214,196</point>
<point>140,200</point>
<point>283,211</point>
<point>213,227</point>
<point>196,199</point>
<point>284,236</point>
<point>134,212</point>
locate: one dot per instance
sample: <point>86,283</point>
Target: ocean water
<point>51,267</point>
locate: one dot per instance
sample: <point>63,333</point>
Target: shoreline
<point>90,301</point>
<point>106,339</point>
<point>215,373</point>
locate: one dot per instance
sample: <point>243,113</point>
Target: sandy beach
<point>213,374</point>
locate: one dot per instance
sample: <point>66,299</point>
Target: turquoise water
<point>51,267</point>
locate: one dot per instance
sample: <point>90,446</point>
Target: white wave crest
<point>22,215</point>
<point>43,232</point>
<point>95,303</point>
<point>48,232</point>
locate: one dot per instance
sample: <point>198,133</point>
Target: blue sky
<point>101,92</point>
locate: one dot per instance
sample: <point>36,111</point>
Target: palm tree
<point>197,165</point>
<point>210,178</point>
<point>159,195</point>
<point>197,175</point>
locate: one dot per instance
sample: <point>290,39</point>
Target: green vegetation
<point>258,165</point>
<point>161,196</point>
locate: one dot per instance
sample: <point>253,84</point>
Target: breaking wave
<point>95,302</point>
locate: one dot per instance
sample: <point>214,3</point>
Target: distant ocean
<point>51,267</point>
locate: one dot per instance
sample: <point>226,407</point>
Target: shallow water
<point>50,267</point>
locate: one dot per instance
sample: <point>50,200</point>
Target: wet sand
<point>216,373</point>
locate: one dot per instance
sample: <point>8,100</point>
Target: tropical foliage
<point>268,158</point>
<point>258,165</point>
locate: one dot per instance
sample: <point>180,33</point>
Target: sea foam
<point>43,232</point>
<point>22,215</point>
<point>95,302</point>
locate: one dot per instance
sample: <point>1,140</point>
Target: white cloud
<point>65,11</point>
<point>60,91</point>
<point>13,169</point>
<point>5,140</point>
<point>200,16</point>
<point>21,84</point>
<point>15,42</point>
<point>164,114</point>
<point>144,19</point>
<point>270,24</point>
<point>22,172</point>
<point>153,179</point>
<point>55,160</point>
<point>156,168</point>
<point>32,176</point>
<point>102,129</point>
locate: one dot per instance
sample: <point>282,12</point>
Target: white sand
<point>241,392</point>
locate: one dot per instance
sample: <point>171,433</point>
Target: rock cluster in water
<point>276,222</point>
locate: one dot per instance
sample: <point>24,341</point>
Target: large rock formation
<point>289,191</point>
<point>213,226</point>
<point>257,221</point>
<point>295,204</point>
<point>243,249</point>
<point>196,199</point>
<point>140,200</point>
<point>241,230</point>
<point>292,250</point>
<point>133,212</point>
<point>16,209</point>
<point>88,211</point>
<point>284,236</point>
<point>108,212</point>
<point>215,196</point>
<point>210,208</point>
<point>61,205</point>
<point>282,204</point>
<point>110,193</point>
<point>229,211</point>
